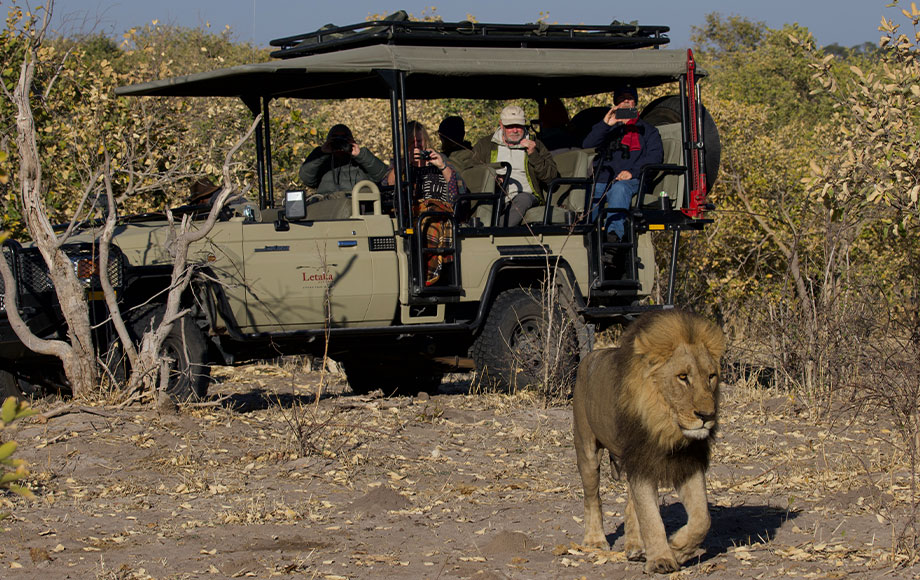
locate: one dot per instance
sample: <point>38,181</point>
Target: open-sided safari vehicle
<point>283,276</point>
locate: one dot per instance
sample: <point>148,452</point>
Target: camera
<point>627,113</point>
<point>340,145</point>
<point>424,155</point>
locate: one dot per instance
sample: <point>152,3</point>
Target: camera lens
<point>340,144</point>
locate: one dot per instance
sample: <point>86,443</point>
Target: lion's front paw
<point>595,537</point>
<point>663,565</point>
<point>635,552</point>
<point>686,552</point>
<point>595,541</point>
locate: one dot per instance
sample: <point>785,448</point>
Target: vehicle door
<point>340,272</point>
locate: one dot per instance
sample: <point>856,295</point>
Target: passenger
<point>625,145</point>
<point>203,192</point>
<point>452,130</point>
<point>435,187</point>
<point>339,163</point>
<point>555,132</point>
<point>532,165</point>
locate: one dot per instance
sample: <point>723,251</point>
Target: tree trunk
<point>78,356</point>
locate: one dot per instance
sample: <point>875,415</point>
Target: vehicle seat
<point>673,185</point>
<point>334,206</point>
<point>568,200</point>
<point>480,178</point>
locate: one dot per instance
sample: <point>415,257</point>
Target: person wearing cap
<point>532,165</point>
<point>624,145</point>
<point>339,163</point>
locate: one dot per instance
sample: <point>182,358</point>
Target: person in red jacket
<point>625,144</point>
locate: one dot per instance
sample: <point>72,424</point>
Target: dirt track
<point>456,486</point>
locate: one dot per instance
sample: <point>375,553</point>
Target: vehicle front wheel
<point>185,349</point>
<point>527,340</point>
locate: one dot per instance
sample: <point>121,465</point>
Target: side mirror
<point>295,206</point>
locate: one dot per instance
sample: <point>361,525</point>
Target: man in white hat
<point>532,165</point>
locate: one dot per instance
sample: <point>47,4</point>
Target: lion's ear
<point>657,347</point>
<point>714,340</point>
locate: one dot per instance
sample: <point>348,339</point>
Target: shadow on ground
<point>260,399</point>
<point>731,526</point>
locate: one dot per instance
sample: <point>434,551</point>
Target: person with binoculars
<point>339,163</point>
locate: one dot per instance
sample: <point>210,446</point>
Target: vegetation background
<point>810,264</point>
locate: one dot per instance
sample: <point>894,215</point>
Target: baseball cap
<point>513,115</point>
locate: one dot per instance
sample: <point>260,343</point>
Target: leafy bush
<point>12,471</point>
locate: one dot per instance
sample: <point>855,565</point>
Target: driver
<point>339,163</point>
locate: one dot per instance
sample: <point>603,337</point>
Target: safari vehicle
<point>283,276</point>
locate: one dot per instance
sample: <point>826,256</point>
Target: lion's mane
<point>650,443</point>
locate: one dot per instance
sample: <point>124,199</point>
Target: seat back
<point>574,163</point>
<point>480,178</point>
<point>568,200</point>
<point>336,206</point>
<point>673,185</point>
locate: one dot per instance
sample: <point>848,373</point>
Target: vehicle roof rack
<point>396,30</point>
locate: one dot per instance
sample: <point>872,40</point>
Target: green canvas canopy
<point>431,72</point>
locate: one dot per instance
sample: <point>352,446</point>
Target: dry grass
<point>456,486</point>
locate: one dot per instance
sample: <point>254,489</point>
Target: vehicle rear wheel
<point>527,341</point>
<point>186,350</point>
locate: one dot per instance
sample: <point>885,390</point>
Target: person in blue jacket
<point>625,144</point>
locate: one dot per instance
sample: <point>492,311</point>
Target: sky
<point>845,22</point>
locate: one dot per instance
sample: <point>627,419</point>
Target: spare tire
<point>667,109</point>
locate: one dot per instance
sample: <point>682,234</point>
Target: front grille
<point>33,277</point>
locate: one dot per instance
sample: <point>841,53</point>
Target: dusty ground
<point>460,485</point>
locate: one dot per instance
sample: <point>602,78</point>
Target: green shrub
<point>13,471</point>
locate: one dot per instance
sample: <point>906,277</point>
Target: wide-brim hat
<point>201,190</point>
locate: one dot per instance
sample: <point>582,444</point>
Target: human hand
<point>528,144</point>
<point>355,149</point>
<point>435,159</point>
<point>624,175</point>
<point>611,117</point>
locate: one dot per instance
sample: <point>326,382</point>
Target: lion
<point>652,403</point>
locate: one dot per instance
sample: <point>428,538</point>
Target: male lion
<point>652,404</point>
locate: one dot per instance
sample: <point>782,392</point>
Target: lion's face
<point>678,397</point>
<point>689,383</point>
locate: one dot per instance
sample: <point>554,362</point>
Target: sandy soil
<point>266,483</point>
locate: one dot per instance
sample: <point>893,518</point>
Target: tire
<point>186,347</point>
<point>667,109</point>
<point>9,386</point>
<point>22,388</point>
<point>393,377</point>
<point>513,351</point>
<point>114,363</point>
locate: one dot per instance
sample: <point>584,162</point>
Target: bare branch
<point>105,243</point>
